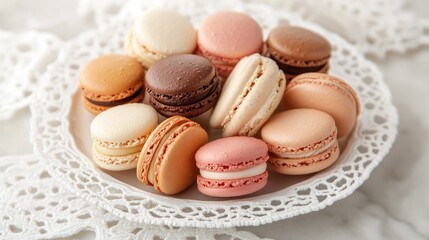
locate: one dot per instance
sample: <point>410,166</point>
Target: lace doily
<point>24,57</point>
<point>50,133</point>
<point>35,206</point>
<point>375,27</point>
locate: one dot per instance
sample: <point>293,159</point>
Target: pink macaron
<point>226,37</point>
<point>231,167</point>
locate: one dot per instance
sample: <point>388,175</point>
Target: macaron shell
<point>230,34</point>
<point>325,95</point>
<point>153,143</point>
<point>265,111</point>
<point>252,84</point>
<point>299,46</point>
<point>112,76</point>
<point>299,130</point>
<point>184,78</point>
<point>191,110</point>
<point>231,154</point>
<point>239,187</point>
<point>176,170</point>
<point>165,31</point>
<point>223,65</point>
<point>140,52</point>
<point>305,165</point>
<point>124,124</point>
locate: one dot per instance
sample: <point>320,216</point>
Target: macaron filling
<point>307,161</point>
<point>232,166</point>
<point>249,172</point>
<point>157,153</point>
<point>231,183</point>
<point>307,153</point>
<point>154,148</point>
<point>117,151</point>
<point>186,97</point>
<point>190,110</point>
<point>113,103</point>
<point>299,70</point>
<point>309,150</point>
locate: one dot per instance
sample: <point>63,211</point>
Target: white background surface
<point>392,204</point>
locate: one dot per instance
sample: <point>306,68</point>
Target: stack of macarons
<point>227,73</point>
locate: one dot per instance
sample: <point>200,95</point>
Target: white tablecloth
<point>392,204</point>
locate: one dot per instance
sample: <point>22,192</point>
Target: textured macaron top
<point>125,124</point>
<point>180,73</point>
<point>326,93</point>
<point>298,44</point>
<point>165,31</point>
<point>230,34</point>
<point>330,81</point>
<point>110,75</point>
<point>231,154</point>
<point>298,129</point>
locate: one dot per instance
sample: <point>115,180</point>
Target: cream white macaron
<point>159,33</point>
<point>119,134</point>
<point>250,95</point>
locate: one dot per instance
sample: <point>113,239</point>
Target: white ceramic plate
<point>60,135</point>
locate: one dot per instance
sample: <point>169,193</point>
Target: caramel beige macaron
<point>159,33</point>
<point>301,141</point>
<point>111,80</point>
<point>119,134</point>
<point>167,160</point>
<point>326,93</point>
<point>250,95</point>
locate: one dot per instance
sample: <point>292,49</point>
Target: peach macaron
<point>325,93</point>
<point>111,80</point>
<point>301,141</point>
<point>167,160</point>
<point>231,167</point>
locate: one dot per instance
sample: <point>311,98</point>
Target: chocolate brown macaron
<point>111,80</point>
<point>185,85</point>
<point>297,50</point>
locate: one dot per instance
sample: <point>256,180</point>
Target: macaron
<point>301,141</point>
<point>167,160</point>
<point>185,85</point>
<point>326,93</point>
<point>231,167</point>
<point>159,33</point>
<point>119,134</point>
<point>298,50</point>
<point>111,80</point>
<point>250,95</point>
<point>226,37</point>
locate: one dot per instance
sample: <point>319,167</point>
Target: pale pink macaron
<point>301,141</point>
<point>226,37</point>
<point>231,167</point>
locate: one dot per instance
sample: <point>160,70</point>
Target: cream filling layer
<point>250,172</point>
<point>151,175</point>
<point>307,154</point>
<point>117,151</point>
